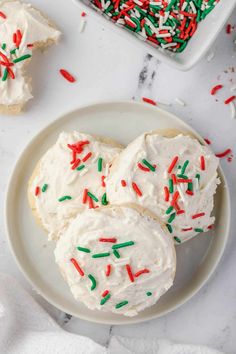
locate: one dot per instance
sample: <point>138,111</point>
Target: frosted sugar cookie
<point>172,175</point>
<point>116,259</point>
<point>22,28</point>
<point>69,178</point>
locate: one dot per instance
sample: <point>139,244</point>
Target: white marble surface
<point>107,67</point>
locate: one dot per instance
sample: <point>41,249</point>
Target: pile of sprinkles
<point>106,294</point>
<point>9,56</point>
<point>168,24</point>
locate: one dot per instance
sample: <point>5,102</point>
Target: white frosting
<point>151,250</point>
<point>55,170</point>
<point>161,151</point>
<point>35,29</point>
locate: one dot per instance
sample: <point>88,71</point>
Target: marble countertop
<point>109,68</point>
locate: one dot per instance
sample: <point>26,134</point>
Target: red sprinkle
<point>30,45</point>
<point>81,272</point>
<point>175,198</point>
<point>86,157</point>
<point>215,89</point>
<point>182,180</point>
<point>112,240</point>
<point>83,14</point>
<point>103,181</point>
<point>143,271</point>
<point>67,75</point>
<point>123,183</point>
<point>202,163</point>
<point>37,191</point>
<point>91,205</point>
<point>179,212</point>
<point>108,270</point>
<point>105,293</point>
<point>85,196</point>
<point>148,100</point>
<point>188,229</point>
<point>129,271</point>
<point>76,164</point>
<point>172,165</point>
<point>189,192</point>
<point>174,179</point>
<point>228,28</point>
<point>18,38</point>
<point>136,189</point>
<point>198,215</point>
<point>166,193</point>
<point>230,99</point>
<point>210,227</point>
<point>224,153</point>
<point>141,167</point>
<point>3,15</point>
<point>207,141</point>
<point>10,72</point>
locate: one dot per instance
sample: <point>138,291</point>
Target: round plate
<point>123,121</point>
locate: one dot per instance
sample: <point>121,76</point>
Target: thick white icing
<point>35,29</point>
<point>55,170</point>
<point>152,250</point>
<point>161,151</point>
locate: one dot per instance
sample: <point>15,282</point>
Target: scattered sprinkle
<point>207,141</point>
<point>3,15</point>
<point>93,281</point>
<point>87,157</point>
<point>142,271</point>
<point>166,194</point>
<point>150,101</point>
<point>76,264</point>
<point>197,215</point>
<point>23,57</point>
<point>37,191</point>
<point>101,255</point>
<point>100,164</point>
<point>215,89</point>
<point>173,163</point>
<point>108,270</point>
<point>111,239</point>
<point>169,227</point>
<point>177,239</point>
<point>67,75</point>
<point>83,249</point>
<point>136,189</point>
<point>148,293</point>
<point>44,188</point>
<point>202,163</point>
<point>146,163</point>
<point>230,99</point>
<point>85,196</point>
<point>129,271</point>
<point>116,254</point>
<point>92,196</point>
<point>232,109</point>
<point>104,300</point>
<point>224,153</point>
<point>104,199</point>
<point>121,304</point>
<point>65,197</point>
<point>124,244</point>
<point>123,183</point>
<point>198,230</point>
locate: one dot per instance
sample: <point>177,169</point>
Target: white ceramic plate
<point>197,47</point>
<point>123,121</point>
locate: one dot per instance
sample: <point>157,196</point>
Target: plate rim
<point>122,319</point>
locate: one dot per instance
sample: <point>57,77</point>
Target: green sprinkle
<point>169,210</point>
<point>26,56</point>
<point>66,197</point>
<point>5,75</point>
<point>171,218</point>
<point>4,46</point>
<point>104,199</point>
<point>198,230</point>
<point>100,255</point>
<point>121,304</point>
<point>83,249</point>
<point>93,280</point>
<point>92,196</point>
<point>172,3</point>
<point>190,186</point>
<point>136,21</point>
<point>184,167</point>
<point>124,244</point>
<point>80,168</point>
<point>182,47</point>
<point>198,176</point>
<point>148,293</point>
<point>177,239</point>
<point>104,300</point>
<point>100,164</point>
<point>116,254</point>
<point>171,187</point>
<point>147,29</point>
<point>44,187</point>
<point>169,227</point>
<point>152,168</point>
<point>13,51</point>
<point>182,176</point>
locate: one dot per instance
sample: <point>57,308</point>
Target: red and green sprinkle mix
<point>167,24</point>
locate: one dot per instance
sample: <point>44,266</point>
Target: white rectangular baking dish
<point>201,42</point>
